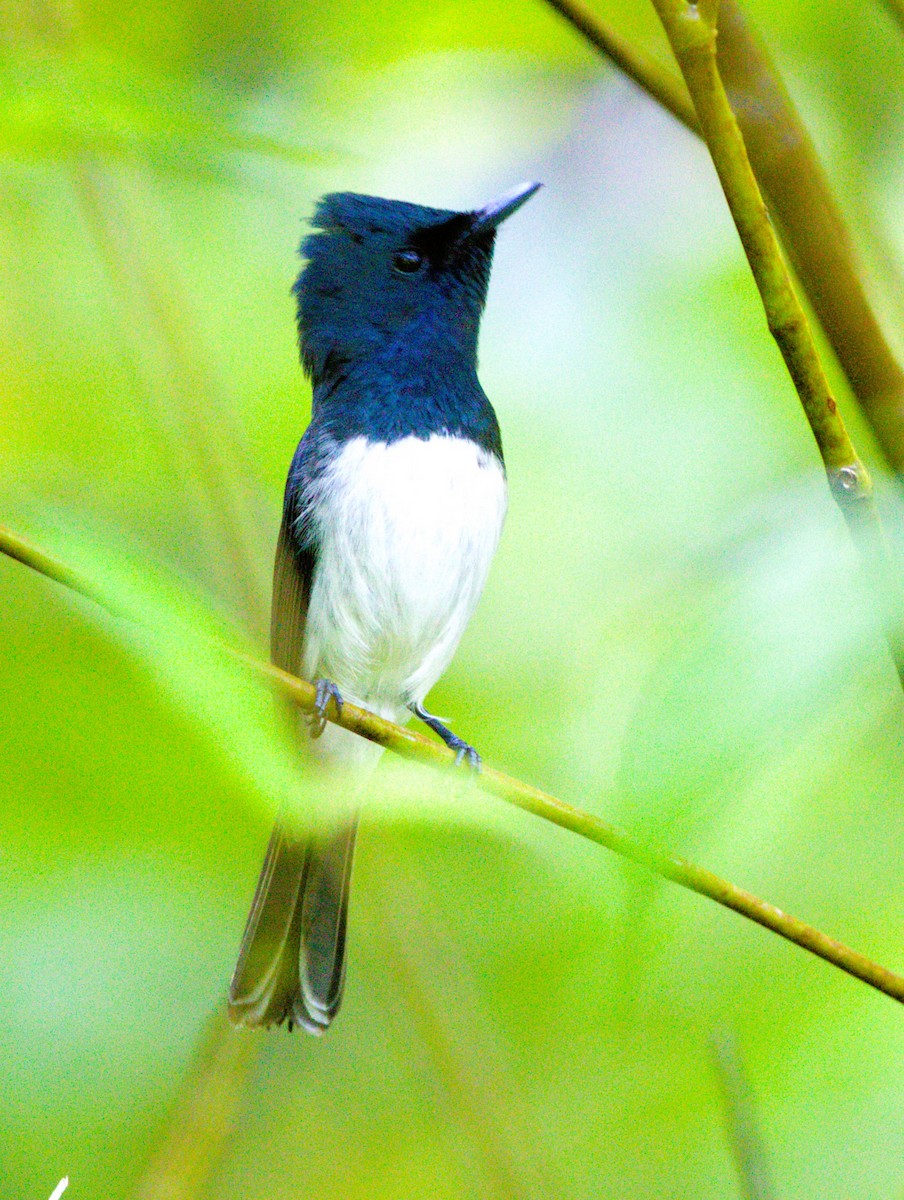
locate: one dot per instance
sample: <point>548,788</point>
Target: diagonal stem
<point>647,72</point>
<point>414,746</point>
<point>800,197</point>
<point>813,230</point>
<point>693,40</point>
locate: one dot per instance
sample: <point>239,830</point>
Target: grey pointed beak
<point>495,213</point>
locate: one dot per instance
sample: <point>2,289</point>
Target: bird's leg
<point>462,750</point>
<point>326,691</point>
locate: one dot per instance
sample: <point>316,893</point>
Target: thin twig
<point>647,72</point>
<point>819,246</point>
<point>410,745</point>
<point>799,195</point>
<point>693,40</point>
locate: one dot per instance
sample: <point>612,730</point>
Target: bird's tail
<point>292,961</point>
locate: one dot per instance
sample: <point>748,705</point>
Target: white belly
<point>406,535</point>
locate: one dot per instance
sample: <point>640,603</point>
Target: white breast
<point>406,535</point>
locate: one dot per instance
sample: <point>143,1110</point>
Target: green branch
<point>693,40</point>
<point>814,232</point>
<point>646,71</point>
<point>414,746</point>
<point>788,170</point>
<point>692,36</point>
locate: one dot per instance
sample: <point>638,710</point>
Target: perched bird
<point>393,508</point>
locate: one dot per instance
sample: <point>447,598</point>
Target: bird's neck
<point>409,387</point>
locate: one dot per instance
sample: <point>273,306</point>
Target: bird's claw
<point>465,753</point>
<point>326,691</point>
<point>462,750</point>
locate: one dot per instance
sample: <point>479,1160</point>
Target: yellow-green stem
<point>419,749</point>
<point>646,71</point>
<point>799,195</point>
<point>813,230</point>
<point>693,39</point>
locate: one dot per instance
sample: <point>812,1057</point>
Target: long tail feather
<point>324,913</point>
<point>266,979</point>
<point>292,960</point>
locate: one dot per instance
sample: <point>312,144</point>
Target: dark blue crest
<point>382,270</point>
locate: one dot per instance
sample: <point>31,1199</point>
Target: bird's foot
<point>326,691</point>
<point>463,751</point>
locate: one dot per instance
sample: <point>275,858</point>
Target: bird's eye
<point>407,262</point>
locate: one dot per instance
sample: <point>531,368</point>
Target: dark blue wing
<point>293,567</point>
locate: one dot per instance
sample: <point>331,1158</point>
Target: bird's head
<point>381,273</point>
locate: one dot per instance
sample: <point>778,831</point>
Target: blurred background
<point>675,635</point>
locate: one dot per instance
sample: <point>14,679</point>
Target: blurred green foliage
<point>675,633</point>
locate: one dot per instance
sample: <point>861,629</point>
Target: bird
<point>393,509</point>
